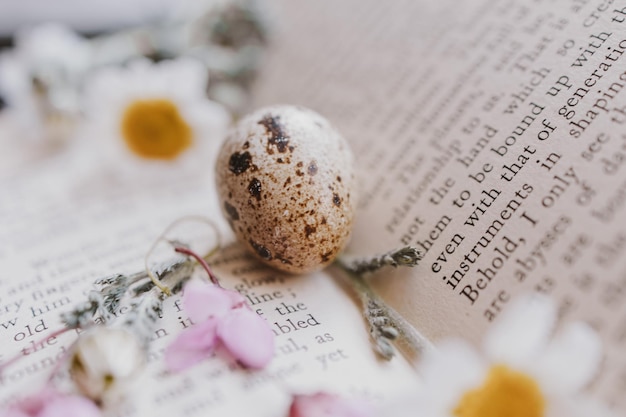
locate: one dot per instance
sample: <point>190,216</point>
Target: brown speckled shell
<point>286,183</point>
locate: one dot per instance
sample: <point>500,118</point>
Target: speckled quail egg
<point>286,184</point>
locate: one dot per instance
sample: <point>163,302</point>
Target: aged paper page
<point>489,134</point>
<point>63,225</point>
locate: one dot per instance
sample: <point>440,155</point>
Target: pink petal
<point>33,404</point>
<point>247,337</point>
<point>70,406</point>
<point>235,298</point>
<point>202,300</point>
<point>191,346</point>
<point>323,404</point>
<point>13,412</point>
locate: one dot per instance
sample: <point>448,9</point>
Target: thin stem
<point>386,324</point>
<point>153,277</point>
<point>201,261</point>
<point>21,355</point>
<point>60,362</point>
<point>155,280</point>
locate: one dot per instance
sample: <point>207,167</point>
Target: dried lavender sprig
<point>112,297</point>
<point>406,256</point>
<point>121,280</point>
<point>106,301</point>
<point>148,310</point>
<point>175,272</point>
<point>81,315</point>
<point>112,280</point>
<point>114,287</point>
<point>147,289</point>
<point>144,315</point>
<point>386,324</point>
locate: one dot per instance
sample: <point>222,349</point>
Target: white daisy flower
<point>39,80</point>
<point>150,118</point>
<point>524,372</point>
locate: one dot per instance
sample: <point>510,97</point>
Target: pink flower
<point>323,404</point>
<point>221,317</point>
<point>50,403</point>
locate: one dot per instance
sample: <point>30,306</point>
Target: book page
<point>63,226</point>
<point>491,135</point>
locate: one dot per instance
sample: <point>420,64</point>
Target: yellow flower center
<point>155,129</point>
<point>505,393</point>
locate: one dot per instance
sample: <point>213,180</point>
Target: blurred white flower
<point>150,117</point>
<point>40,77</point>
<point>188,10</point>
<point>523,373</point>
<point>104,361</point>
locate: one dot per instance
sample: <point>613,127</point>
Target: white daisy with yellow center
<point>524,372</point>
<point>155,117</point>
<point>155,129</point>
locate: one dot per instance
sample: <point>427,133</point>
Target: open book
<point>490,135</point>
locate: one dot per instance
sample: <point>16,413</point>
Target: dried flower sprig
<point>111,351</point>
<point>386,324</point>
<point>96,368</point>
<point>406,256</point>
<point>145,289</point>
<point>114,288</point>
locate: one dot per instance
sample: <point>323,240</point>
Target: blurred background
<point>90,17</point>
<point>64,65</point>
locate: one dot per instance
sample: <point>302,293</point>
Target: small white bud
<point>104,361</point>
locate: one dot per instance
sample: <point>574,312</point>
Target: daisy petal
<point>571,360</point>
<point>247,337</point>
<point>70,406</point>
<point>453,368</point>
<point>126,107</point>
<point>202,300</point>
<point>189,75</point>
<point>521,331</point>
<point>192,346</point>
<point>578,406</point>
